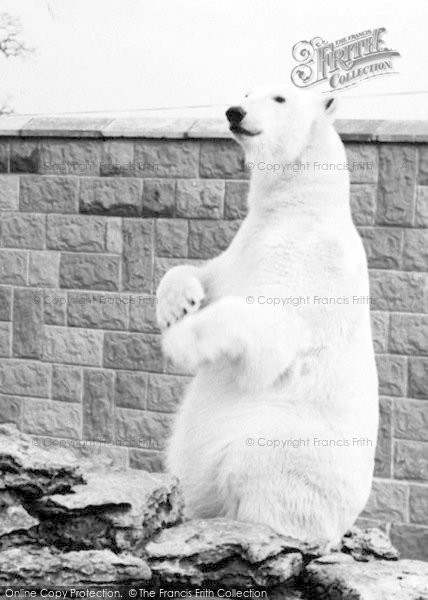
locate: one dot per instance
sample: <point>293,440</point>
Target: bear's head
<point>277,122</point>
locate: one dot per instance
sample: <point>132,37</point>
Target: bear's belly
<point>306,449</point>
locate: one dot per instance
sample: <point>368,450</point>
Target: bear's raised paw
<point>180,293</point>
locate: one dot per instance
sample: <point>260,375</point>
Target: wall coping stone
<point>355,130</point>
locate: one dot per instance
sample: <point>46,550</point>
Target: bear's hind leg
<point>289,513</point>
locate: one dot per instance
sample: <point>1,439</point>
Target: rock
<point>228,552</point>
<point>31,567</point>
<point>17,526</point>
<point>370,542</point>
<point>32,471</point>
<point>374,580</point>
<point>130,509</point>
<point>13,517</point>
<point>69,503</point>
<point>334,558</point>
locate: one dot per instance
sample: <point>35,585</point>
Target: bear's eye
<point>279,99</point>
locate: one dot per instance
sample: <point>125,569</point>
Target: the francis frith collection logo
<point>342,63</point>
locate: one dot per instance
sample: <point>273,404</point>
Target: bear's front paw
<point>180,293</point>
<point>179,345</point>
<point>201,339</point>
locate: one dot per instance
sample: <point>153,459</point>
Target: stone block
<point>132,351</point>
<point>28,325</point>
<point>142,314</point>
<point>209,238</point>
<point>411,460</point>
<point>98,311</point>
<point>418,504</point>
<point>388,501</point>
<point>9,192</point>
<point>71,157</point>
<point>167,158</point>
<point>383,246</point>
<point>397,177</point>
<point>120,196</point>
<point>5,339</point>
<point>409,334</point>
<point>397,291</point>
<point>172,237</point>
<point>55,302</point>
<point>165,392</point>
<point>411,419</point>
<point>421,212</point>
<point>415,254</point>
<point>4,156</point>
<point>98,404</point>
<point>5,303</point>
<point>66,383</point>
<point>46,417</point>
<point>72,346</point>
<point>130,389</point>
<point>137,267</point>
<point>76,233</point>
<point>10,409</point>
<point>159,198</point>
<point>142,429</point>
<point>392,372</point>
<point>363,161</point>
<point>235,200</point>
<point>423,164</point>
<point>13,267</point>
<point>24,156</point>
<point>22,231</point>
<point>117,158</point>
<point>418,378</point>
<point>24,378</point>
<point>412,542</point>
<point>93,272</point>
<point>200,199</point>
<point>363,203</point>
<point>380,329</point>
<point>114,235</point>
<point>222,159</point>
<point>48,194</point>
<point>44,269</point>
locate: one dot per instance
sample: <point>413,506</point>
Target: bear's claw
<point>178,295</point>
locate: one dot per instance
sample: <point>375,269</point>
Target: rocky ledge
<point>67,522</point>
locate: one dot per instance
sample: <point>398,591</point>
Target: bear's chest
<point>286,260</point>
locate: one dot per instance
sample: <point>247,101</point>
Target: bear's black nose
<point>235,114</point>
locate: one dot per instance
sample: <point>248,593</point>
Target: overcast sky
<point>131,54</point>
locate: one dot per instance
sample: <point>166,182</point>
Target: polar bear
<point>279,424</point>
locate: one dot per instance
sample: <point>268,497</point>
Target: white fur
<point>283,372</point>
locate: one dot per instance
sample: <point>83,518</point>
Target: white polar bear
<point>279,425</point>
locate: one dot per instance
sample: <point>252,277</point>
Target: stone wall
<point>94,212</point>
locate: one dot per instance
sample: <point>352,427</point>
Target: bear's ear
<point>330,105</point>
